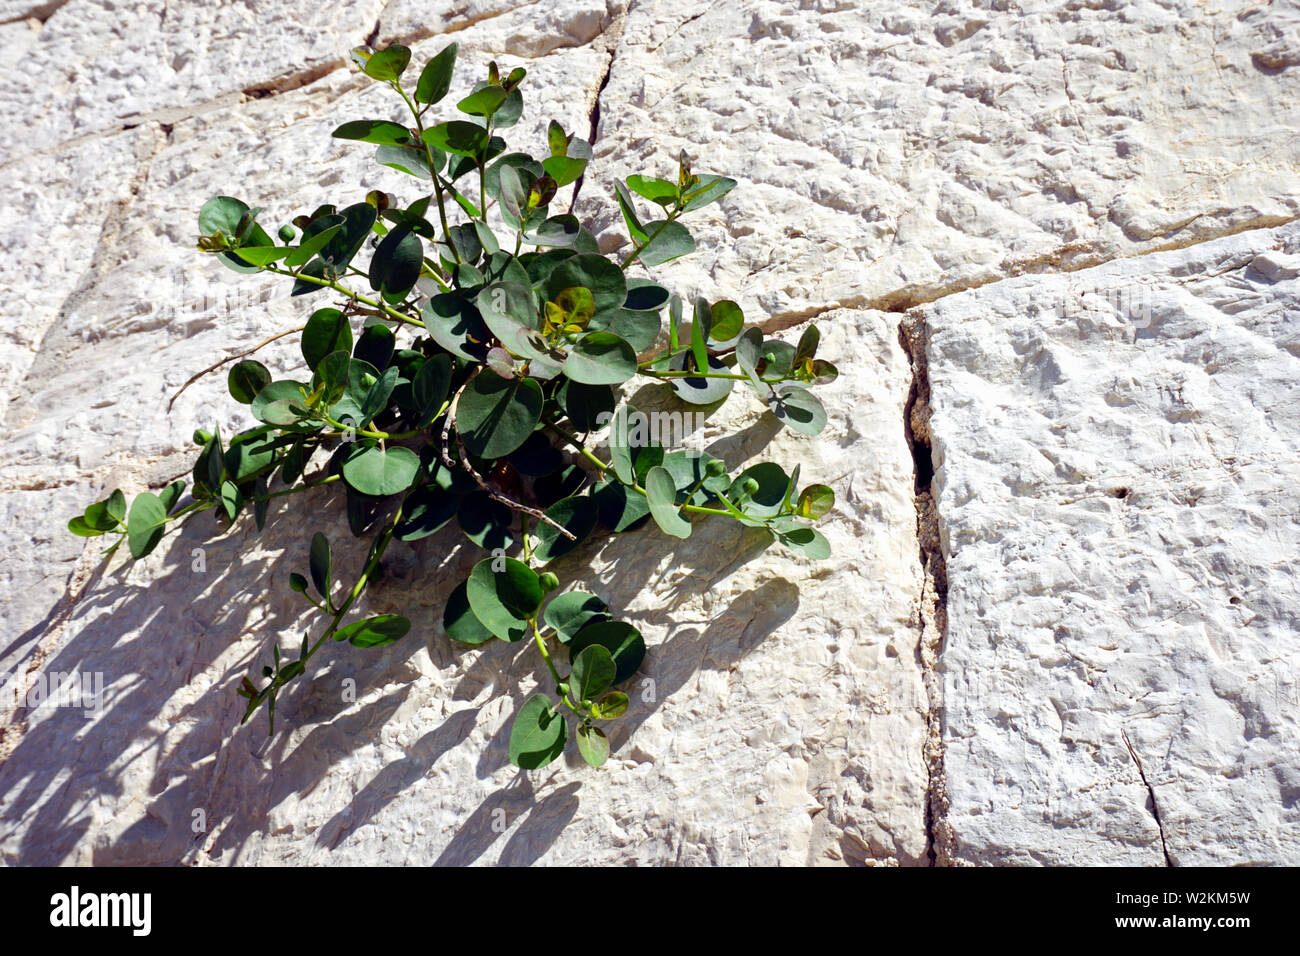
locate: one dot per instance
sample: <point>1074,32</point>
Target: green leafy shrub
<point>483,415</point>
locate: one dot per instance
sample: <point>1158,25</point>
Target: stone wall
<point>1048,245</point>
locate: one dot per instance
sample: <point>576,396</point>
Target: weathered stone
<point>893,152</point>
<point>783,694</point>
<point>1117,460</point>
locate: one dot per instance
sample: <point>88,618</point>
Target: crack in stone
<point>615,33</point>
<point>906,299</point>
<point>41,12</point>
<point>932,612</point>
<point>1155,807</point>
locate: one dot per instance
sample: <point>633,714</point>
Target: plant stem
<point>350,293</point>
<point>433,170</point>
<point>672,217</point>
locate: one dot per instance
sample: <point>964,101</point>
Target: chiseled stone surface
<point>888,154</point>
<point>896,151</point>
<point>97,65</point>
<point>1117,470</point>
<point>781,713</point>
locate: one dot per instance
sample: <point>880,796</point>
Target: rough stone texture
<point>783,696</point>
<point>1117,462</point>
<point>889,154</point>
<point>892,152</point>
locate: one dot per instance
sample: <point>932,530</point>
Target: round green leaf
<point>772,485</point>
<point>388,63</point>
<point>427,510</point>
<point>807,541</point>
<point>621,508</point>
<point>537,736</point>
<point>622,640</point>
<point>455,324</point>
<point>585,404</point>
<point>593,745</point>
<point>572,611</point>
<point>504,600</point>
<point>593,672</point>
<point>379,472</point>
<point>701,390</point>
<point>798,408</point>
<point>327,331</point>
<point>496,415</point>
<point>605,279</point>
<point>600,358</point>
<point>577,515</point>
<point>668,241</point>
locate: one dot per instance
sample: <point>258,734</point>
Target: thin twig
<point>226,361</point>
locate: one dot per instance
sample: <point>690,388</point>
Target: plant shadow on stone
<point>466,388</point>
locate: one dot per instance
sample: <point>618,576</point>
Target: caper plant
<point>463,375</point>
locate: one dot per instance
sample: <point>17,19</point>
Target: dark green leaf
<point>379,472</point>
<point>537,736</point>
<point>458,137</point>
<point>504,600</point>
<point>427,509</point>
<point>320,563</point>
<point>435,78</point>
<point>144,523</point>
<point>380,132</point>
<point>374,631</point>
<point>772,484</point>
<point>358,220</point>
<point>246,379</point>
<point>603,278</point>
<point>486,521</point>
<point>430,388</point>
<point>495,415</point>
<point>387,64</point>
<point>376,345</point>
<point>572,611</point>
<point>593,673</point>
<point>586,404</point>
<point>576,515</point>
<point>396,263</point>
<point>459,621</point>
<point>621,639</point>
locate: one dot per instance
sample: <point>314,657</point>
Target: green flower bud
<point>202,436</point>
<point>298,583</point>
<point>287,233</point>
<point>548,581</point>
<point>749,487</point>
<point>716,468</point>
